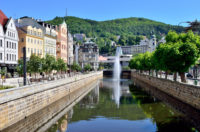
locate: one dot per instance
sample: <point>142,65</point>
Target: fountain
<point>117,66</point>
<point>116,76</point>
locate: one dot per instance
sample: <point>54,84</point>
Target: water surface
<point>121,107</point>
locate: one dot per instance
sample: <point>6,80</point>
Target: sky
<point>167,11</point>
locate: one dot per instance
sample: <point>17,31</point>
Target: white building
<point>8,43</point>
<point>70,50</point>
<point>144,46</point>
<point>49,39</point>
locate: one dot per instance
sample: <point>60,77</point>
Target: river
<point>137,111</point>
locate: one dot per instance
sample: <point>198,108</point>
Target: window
<point>35,41</point>
<point>13,57</point>
<point>10,56</point>
<point>6,56</point>
<point>12,45</point>
<point>0,56</point>
<point>31,50</point>
<point>7,44</point>
<point>1,42</point>
<point>31,40</point>
<point>28,50</point>
<point>28,39</point>
<point>35,51</point>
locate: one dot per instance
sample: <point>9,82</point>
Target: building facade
<point>144,46</point>
<point>49,39</point>
<point>31,36</point>
<point>75,52</point>
<point>8,43</point>
<point>126,50</point>
<point>70,56</point>
<point>89,54</point>
<point>61,44</point>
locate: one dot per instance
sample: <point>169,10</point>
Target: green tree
<point>19,67</point>
<point>48,64</point>
<point>76,67</point>
<point>35,64</point>
<point>61,65</point>
<point>87,67</point>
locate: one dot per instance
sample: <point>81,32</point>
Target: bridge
<point>125,74</point>
<point>124,60</point>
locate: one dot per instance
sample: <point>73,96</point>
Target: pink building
<point>61,45</point>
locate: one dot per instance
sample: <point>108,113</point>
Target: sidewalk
<point>170,77</point>
<point>18,82</point>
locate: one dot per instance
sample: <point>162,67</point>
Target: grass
<point>5,87</point>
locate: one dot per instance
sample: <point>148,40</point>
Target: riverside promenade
<point>187,93</point>
<point>18,103</point>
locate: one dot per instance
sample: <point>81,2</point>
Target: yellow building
<point>31,36</point>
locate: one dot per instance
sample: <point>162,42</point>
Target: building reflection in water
<point>63,123</point>
<point>91,99</point>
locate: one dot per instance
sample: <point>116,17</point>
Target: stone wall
<point>184,92</point>
<point>18,103</point>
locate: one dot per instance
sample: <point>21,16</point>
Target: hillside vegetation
<point>130,29</point>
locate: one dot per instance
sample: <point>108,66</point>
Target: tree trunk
<point>182,74</point>
<point>175,76</point>
<point>149,72</point>
<point>156,73</point>
<point>160,74</point>
<point>153,73</point>
<point>166,74</point>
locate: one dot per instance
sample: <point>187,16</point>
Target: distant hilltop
<point>125,26</point>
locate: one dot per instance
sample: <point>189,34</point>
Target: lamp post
<point>24,65</point>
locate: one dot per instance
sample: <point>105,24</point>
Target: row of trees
<point>36,64</point>
<point>46,65</point>
<point>177,55</point>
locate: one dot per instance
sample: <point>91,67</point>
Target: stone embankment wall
<point>18,103</point>
<point>184,92</point>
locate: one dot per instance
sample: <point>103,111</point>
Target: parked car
<point>188,75</point>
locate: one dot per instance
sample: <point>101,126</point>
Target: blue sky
<point>167,11</point>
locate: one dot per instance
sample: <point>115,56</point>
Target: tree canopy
<point>178,54</point>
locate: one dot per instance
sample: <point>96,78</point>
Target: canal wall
<point>19,103</point>
<point>43,119</point>
<point>186,93</point>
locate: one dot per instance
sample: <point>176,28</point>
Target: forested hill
<point>130,30</point>
<point>127,26</point>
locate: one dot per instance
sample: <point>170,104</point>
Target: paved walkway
<point>17,82</point>
<point>188,80</point>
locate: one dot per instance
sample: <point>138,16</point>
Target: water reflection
<point>116,92</point>
<point>138,111</point>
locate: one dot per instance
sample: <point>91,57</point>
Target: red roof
<point>3,18</point>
